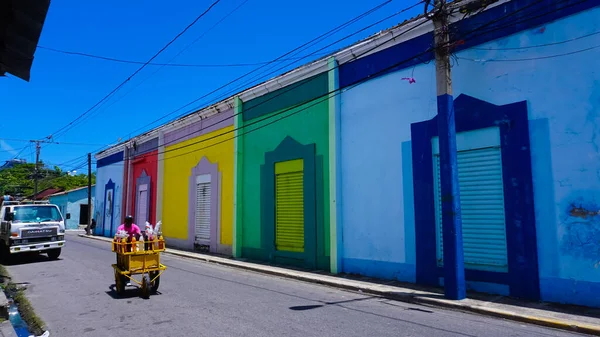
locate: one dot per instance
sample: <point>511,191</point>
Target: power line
<point>66,127</point>
<point>294,86</point>
<point>208,65</point>
<point>275,60</point>
<point>363,79</point>
<point>300,48</point>
<point>169,62</point>
<point>50,142</point>
<point>531,58</point>
<point>13,150</point>
<point>468,33</point>
<point>326,95</point>
<point>540,45</point>
<point>261,76</point>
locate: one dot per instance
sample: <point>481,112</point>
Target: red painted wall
<point>149,163</point>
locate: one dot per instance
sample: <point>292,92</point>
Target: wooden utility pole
<point>89,194</point>
<point>37,173</point>
<point>454,270</point>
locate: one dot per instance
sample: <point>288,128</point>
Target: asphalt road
<point>74,297</point>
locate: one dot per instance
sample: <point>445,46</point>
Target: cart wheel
<point>120,281</point>
<point>156,282</point>
<point>146,286</point>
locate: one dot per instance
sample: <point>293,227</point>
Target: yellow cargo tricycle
<point>138,258</point>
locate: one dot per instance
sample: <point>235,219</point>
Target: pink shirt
<point>133,229</point>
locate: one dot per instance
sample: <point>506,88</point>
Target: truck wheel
<point>53,254</point>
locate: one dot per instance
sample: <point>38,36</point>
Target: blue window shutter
<point>482,206</point>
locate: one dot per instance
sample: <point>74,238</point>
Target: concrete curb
<point>384,291</point>
<point>3,305</point>
<point>7,330</point>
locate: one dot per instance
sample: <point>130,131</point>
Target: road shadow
<point>27,258</point>
<point>316,306</point>
<point>129,293</point>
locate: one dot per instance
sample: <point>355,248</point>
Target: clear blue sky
<point>64,86</point>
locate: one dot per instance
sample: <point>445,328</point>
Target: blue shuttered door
<point>482,205</point>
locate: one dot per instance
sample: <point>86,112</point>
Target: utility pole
<point>36,174</point>
<point>454,270</point>
<point>89,194</point>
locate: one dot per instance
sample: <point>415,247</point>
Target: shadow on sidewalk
<point>438,293</point>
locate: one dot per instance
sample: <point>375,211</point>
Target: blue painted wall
<point>110,170</point>
<point>563,97</point>
<point>70,202</point>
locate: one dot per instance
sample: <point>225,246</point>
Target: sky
<point>64,86</point>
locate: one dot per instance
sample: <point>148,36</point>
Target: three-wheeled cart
<point>132,259</point>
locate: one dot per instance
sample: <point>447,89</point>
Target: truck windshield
<point>36,214</point>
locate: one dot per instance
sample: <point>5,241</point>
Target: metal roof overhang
<point>21,23</point>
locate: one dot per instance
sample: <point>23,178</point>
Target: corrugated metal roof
<point>69,191</point>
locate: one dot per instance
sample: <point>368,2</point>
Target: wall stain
<point>581,238</point>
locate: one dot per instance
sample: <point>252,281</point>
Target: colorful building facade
<point>198,184</point>
<point>141,198</point>
<point>336,165</point>
<point>283,216</point>
<point>109,191</point>
<point>527,167</point>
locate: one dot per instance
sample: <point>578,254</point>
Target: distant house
<point>12,163</point>
<point>74,203</point>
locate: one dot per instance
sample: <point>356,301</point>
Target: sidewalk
<point>572,318</point>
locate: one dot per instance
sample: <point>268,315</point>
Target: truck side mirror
<point>68,216</point>
<point>9,216</point>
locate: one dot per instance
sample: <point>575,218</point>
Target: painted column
<point>238,171</point>
<point>160,175</point>
<point>454,268</point>
<point>335,200</point>
<point>125,185</point>
<point>130,183</point>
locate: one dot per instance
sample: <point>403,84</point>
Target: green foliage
<point>19,180</point>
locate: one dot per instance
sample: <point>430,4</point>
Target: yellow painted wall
<point>179,161</point>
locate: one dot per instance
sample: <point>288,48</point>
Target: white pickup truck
<point>31,226</point>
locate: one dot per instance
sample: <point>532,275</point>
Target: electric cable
<point>276,59</point>
<point>66,127</point>
<point>300,48</point>
<point>329,93</point>
<point>339,91</point>
<point>531,58</point>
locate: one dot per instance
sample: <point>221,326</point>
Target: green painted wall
<point>306,124</point>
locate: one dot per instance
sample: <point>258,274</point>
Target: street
<point>74,297</point>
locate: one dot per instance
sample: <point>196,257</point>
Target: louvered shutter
<point>289,206</point>
<point>482,209</point>
<point>142,206</point>
<point>203,197</point>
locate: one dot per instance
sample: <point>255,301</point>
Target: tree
<point>18,180</point>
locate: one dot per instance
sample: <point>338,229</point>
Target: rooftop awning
<point>21,23</point>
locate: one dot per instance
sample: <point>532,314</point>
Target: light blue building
<point>526,79</point>
<point>75,204</point>
<point>109,208</point>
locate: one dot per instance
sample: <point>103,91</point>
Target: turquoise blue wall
<point>563,98</point>
<point>69,203</point>
<point>61,202</point>
<point>109,172</point>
